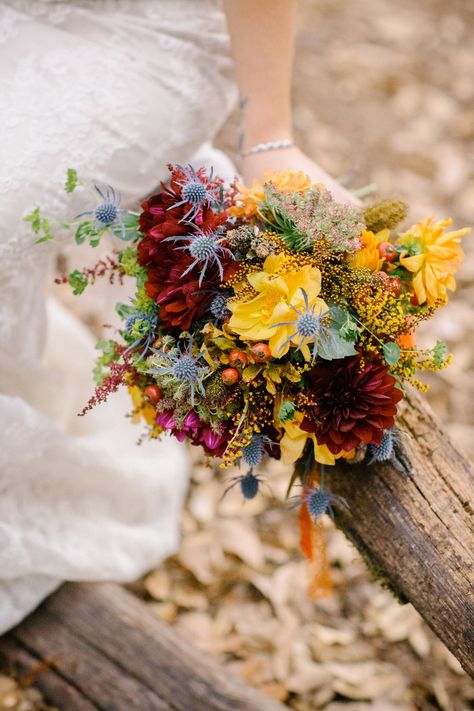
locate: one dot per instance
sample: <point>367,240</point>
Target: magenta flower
<point>197,431</point>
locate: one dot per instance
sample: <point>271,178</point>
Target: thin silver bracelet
<point>269,146</point>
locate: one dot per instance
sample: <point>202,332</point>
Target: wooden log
<point>105,650</point>
<point>413,521</point>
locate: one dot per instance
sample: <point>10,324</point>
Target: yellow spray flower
<point>263,317</point>
<point>369,257</point>
<point>432,255</point>
<point>251,197</point>
<point>141,407</point>
<point>294,440</point>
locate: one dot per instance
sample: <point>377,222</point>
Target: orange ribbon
<point>313,547</point>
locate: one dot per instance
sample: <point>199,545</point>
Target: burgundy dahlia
<point>354,403</point>
<point>181,299</point>
<point>197,431</point>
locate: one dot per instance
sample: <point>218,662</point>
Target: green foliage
<point>286,411</point>
<point>40,226</point>
<point>391,352</point>
<point>128,261</point>
<point>440,353</point>
<point>332,345</point>
<point>71,180</point>
<point>78,282</point>
<point>109,353</point>
<point>385,214</point>
<point>127,230</point>
<point>345,324</point>
<point>88,230</point>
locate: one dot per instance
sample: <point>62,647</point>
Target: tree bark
<point>413,521</point>
<point>95,646</point>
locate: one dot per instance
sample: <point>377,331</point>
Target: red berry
<point>230,376</point>
<point>153,393</point>
<point>414,300</point>
<point>395,286</point>
<point>387,251</point>
<point>261,352</point>
<point>238,359</point>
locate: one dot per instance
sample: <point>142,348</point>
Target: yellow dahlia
<point>270,315</point>
<point>369,257</point>
<point>249,198</point>
<point>432,255</point>
<point>294,440</point>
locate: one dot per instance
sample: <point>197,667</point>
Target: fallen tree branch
<point>413,521</point>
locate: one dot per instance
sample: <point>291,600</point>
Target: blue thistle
<point>253,452</point>
<point>249,485</point>
<point>307,326</point>
<point>184,367</point>
<point>196,191</point>
<point>318,500</point>
<point>218,308</point>
<point>107,213</point>
<point>206,249</point>
<point>382,452</point>
<point>143,325</point>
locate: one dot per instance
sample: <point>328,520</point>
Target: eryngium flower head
<point>355,403</point>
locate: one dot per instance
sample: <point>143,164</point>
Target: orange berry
<point>387,251</point>
<point>229,376</point>
<point>238,359</point>
<point>153,393</point>
<point>261,352</point>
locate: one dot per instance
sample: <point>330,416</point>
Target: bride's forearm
<point>262,37</point>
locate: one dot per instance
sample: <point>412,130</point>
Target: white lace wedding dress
<point>116,89</point>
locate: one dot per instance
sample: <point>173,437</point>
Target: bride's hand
<point>254,166</point>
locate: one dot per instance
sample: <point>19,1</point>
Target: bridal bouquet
<point>267,321</point>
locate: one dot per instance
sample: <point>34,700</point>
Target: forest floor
<point>384,92</point>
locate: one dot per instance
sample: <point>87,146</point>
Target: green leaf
<point>78,282</point>
<point>440,351</point>
<point>71,180</point>
<point>40,226</point>
<point>332,345</point>
<point>345,324</point>
<point>286,411</point>
<point>128,230</point>
<point>391,352</point>
<point>87,230</point>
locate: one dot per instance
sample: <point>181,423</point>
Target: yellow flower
<point>294,440</point>
<point>432,255</point>
<point>277,292</point>
<point>141,407</point>
<point>251,197</point>
<point>369,257</point>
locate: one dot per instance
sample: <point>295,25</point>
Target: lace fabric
<point>115,89</point>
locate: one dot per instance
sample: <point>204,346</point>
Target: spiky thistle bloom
<point>249,485</point>
<point>197,190</point>
<point>384,451</point>
<point>183,367</point>
<point>308,325</point>
<point>140,327</point>
<point>302,219</point>
<point>107,212</point>
<point>206,249</point>
<point>219,309</point>
<point>318,501</point>
<point>255,450</point>
<point>354,403</point>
